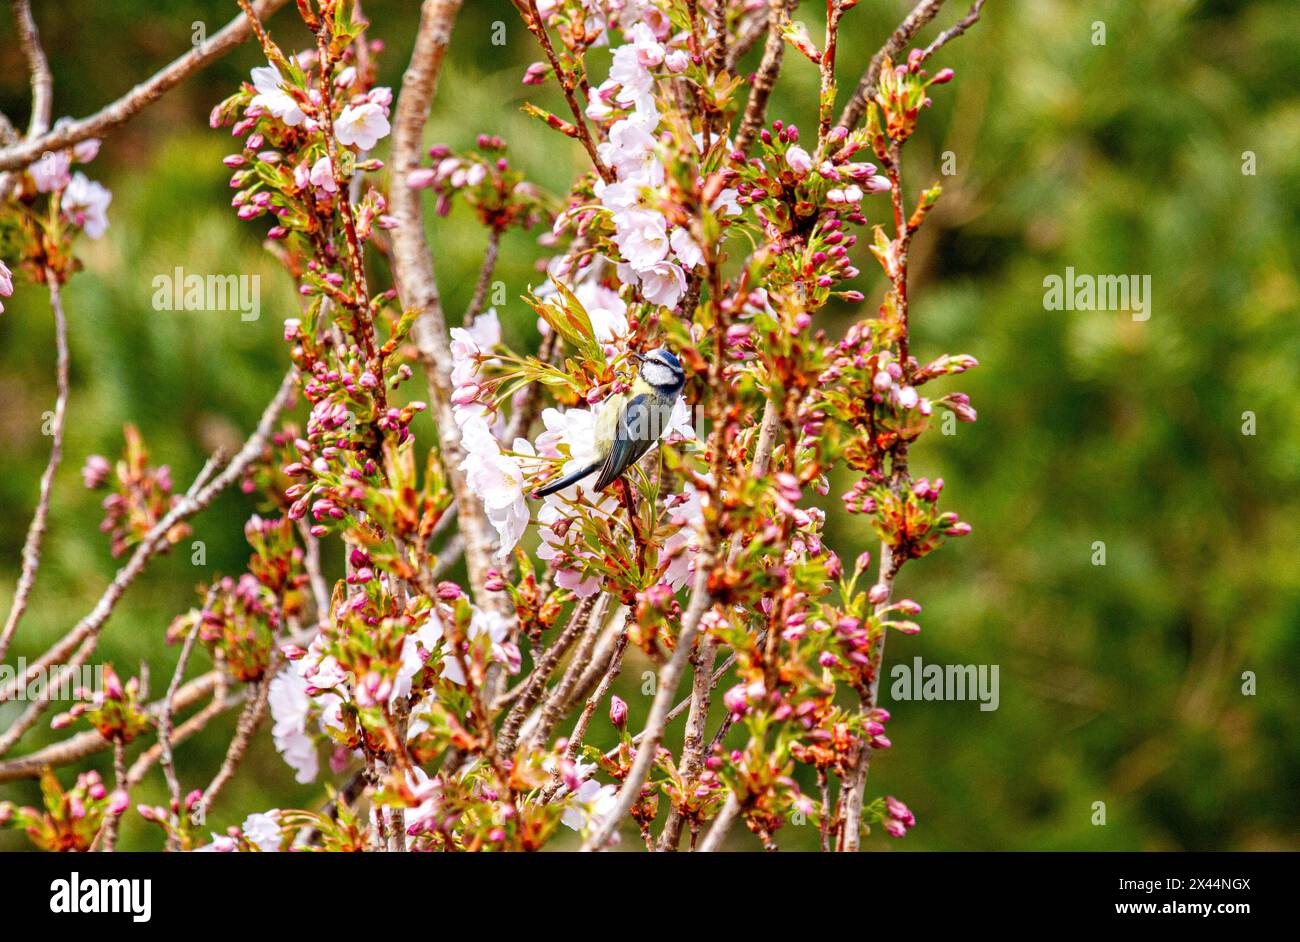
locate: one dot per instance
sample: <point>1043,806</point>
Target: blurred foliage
<point>1119,683</point>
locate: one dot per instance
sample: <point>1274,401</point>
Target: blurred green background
<point>1120,683</point>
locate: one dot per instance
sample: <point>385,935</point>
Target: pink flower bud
<point>618,711</point>
<point>95,471</point>
<point>118,802</point>
<point>735,700</point>
<point>799,161</point>
<point>421,177</point>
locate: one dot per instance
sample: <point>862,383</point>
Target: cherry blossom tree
<point>455,714</point>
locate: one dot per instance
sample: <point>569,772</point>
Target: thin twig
<point>78,747</point>
<point>765,77</point>
<point>532,18</point>
<point>36,532</point>
<point>721,824</point>
<point>630,791</point>
<point>826,101</point>
<point>108,835</point>
<point>220,703</point>
<point>139,97</point>
<point>165,720</point>
<point>37,65</point>
<point>952,32</point>
<point>484,276</point>
<point>706,679</point>
<point>541,672</point>
<point>747,38</point>
<point>853,790</point>
<point>584,719</point>
<point>560,698</point>
<point>856,107</point>
<point>249,720</point>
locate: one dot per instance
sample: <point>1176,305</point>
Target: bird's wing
<point>631,440</point>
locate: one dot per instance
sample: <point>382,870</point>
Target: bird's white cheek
<point>656,374</point>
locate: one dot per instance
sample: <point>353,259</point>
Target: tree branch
<point>78,747</point>
<point>418,286</point>
<point>921,14</point>
<point>700,602</point>
<point>200,495</point>
<point>139,97</point>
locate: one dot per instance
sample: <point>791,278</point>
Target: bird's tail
<point>565,481</point>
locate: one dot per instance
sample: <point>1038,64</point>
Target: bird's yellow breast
<point>641,388</point>
<point>607,421</point>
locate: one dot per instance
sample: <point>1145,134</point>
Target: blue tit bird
<point>629,423</point>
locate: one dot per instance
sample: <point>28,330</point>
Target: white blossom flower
<point>687,249</point>
<point>630,148</point>
<point>618,196</point>
<point>486,329</point>
<point>649,53</point>
<point>589,803</point>
<point>263,830</point>
<point>428,792</point>
<point>628,71</point>
<point>51,171</point>
<point>727,202</point>
<point>641,236</point>
<point>86,203</point>
<point>363,125</point>
<point>498,481</point>
<point>573,427</point>
<point>220,844</point>
<point>679,421</point>
<point>322,175</point>
<point>272,97</point>
<point>417,648</point>
<point>688,515</point>
<point>597,106</point>
<point>290,707</point>
<point>663,283</point>
<point>607,311</point>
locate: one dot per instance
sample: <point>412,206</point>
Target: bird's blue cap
<point>666,357</point>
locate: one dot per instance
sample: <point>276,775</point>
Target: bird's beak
<point>636,357</point>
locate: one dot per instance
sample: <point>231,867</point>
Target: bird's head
<point>662,370</point>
